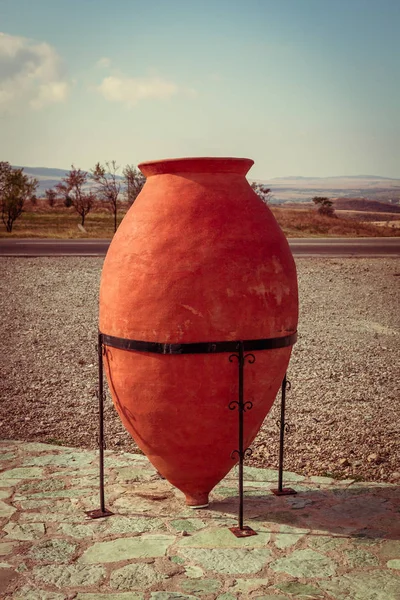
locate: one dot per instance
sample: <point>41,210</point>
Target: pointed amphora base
<point>197,501</point>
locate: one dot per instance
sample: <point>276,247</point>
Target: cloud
<point>131,90</point>
<point>104,62</point>
<point>31,74</point>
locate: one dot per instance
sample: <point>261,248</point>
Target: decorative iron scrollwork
<point>250,358</point>
<point>286,426</point>
<point>241,455</point>
<point>248,405</point>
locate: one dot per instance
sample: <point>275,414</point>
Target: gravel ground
<point>343,408</point>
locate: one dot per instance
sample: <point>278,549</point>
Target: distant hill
<point>47,178</point>
<point>302,189</point>
<point>360,204</point>
<point>301,177</point>
<point>44,172</point>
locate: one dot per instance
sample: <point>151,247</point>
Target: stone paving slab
<point>335,540</point>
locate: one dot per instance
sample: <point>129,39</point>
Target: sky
<point>303,87</point>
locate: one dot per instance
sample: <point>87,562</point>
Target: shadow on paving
<point>369,512</point>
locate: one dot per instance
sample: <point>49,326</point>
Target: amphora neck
<point>239,166</point>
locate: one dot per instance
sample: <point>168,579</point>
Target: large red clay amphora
<point>197,258</point>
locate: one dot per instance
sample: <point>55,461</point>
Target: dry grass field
<point>61,224</point>
<point>369,216</point>
<point>300,222</point>
<point>42,221</point>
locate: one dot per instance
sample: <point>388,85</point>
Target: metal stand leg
<point>102,511</point>
<point>241,530</point>
<point>284,427</point>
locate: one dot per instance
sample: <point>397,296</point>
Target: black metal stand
<point>102,511</point>
<point>284,428</point>
<point>239,349</point>
<point>242,453</point>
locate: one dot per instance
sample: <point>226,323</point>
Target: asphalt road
<point>333,247</point>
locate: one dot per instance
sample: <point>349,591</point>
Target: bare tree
<point>262,191</point>
<point>72,189</point>
<point>15,189</point>
<point>134,182</point>
<point>325,206</point>
<point>108,185</point>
